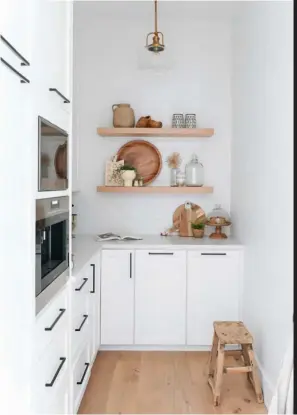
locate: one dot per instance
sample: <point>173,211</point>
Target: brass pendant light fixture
<point>157,45</point>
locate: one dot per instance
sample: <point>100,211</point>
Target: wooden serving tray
<point>144,156</point>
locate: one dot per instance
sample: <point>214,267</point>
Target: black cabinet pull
<point>161,253</point>
<point>79,288</point>
<point>82,323</point>
<point>213,253</point>
<point>94,277</point>
<point>21,57</point>
<point>63,360</point>
<point>24,80</point>
<point>62,311</point>
<point>84,374</point>
<point>130,265</point>
<point>66,100</point>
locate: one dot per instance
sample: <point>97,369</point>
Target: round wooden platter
<point>61,161</point>
<point>182,218</point>
<point>144,156</point>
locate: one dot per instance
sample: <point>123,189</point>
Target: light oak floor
<point>163,383</point>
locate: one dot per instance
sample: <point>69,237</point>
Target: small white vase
<point>128,176</point>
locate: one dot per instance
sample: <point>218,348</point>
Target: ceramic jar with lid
<point>194,172</point>
<point>123,116</point>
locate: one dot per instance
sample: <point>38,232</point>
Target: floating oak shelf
<point>156,189</point>
<point>156,132</point>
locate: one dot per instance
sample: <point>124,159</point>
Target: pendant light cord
<point>156,27</point>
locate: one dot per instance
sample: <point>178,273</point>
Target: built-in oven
<point>52,156</point>
<point>52,241</point>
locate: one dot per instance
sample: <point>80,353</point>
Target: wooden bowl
<point>144,156</point>
<point>61,161</point>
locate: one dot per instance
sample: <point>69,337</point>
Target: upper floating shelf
<point>155,189</point>
<point>156,132</point>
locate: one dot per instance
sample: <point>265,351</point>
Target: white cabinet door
<point>52,52</point>
<point>212,293</point>
<point>15,25</point>
<point>117,297</point>
<point>160,297</point>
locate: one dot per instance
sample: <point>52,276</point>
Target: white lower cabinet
<point>51,358</point>
<point>67,336</point>
<point>85,327</point>
<point>167,298</point>
<point>160,297</point>
<point>212,292</point>
<point>117,297</point>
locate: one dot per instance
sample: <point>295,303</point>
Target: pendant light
<point>156,46</point>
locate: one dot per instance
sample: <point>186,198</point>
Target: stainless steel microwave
<point>52,157</point>
<point>52,241</point>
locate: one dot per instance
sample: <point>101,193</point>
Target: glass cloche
<point>218,216</point>
<point>194,172</point>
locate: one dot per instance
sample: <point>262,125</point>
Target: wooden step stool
<point>232,332</point>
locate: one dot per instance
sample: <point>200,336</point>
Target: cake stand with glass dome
<point>218,218</point>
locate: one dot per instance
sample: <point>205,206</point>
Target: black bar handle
<point>62,311</point>
<point>213,253</point>
<point>24,80</point>
<point>21,57</point>
<point>82,323</point>
<point>94,277</point>
<point>66,100</point>
<point>84,374</point>
<point>161,253</point>
<point>130,265</point>
<point>79,288</point>
<point>63,360</point>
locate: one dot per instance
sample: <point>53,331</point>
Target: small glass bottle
<point>173,176</point>
<point>194,172</point>
<point>180,178</point>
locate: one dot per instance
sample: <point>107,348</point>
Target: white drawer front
<point>49,372</point>
<point>81,374</point>
<point>56,402</point>
<point>81,331</point>
<point>52,322</point>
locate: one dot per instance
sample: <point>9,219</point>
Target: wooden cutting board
<point>144,156</point>
<point>185,215</point>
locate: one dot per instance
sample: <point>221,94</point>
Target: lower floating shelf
<point>155,189</point>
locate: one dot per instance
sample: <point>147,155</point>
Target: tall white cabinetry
<point>35,51</point>
<point>17,295</point>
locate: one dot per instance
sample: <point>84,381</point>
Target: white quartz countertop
<point>85,246</point>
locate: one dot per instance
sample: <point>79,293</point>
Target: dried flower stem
<point>174,160</point>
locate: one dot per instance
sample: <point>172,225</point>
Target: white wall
<point>262,175</point>
<point>107,41</point>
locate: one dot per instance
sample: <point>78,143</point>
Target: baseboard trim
<point>267,385</point>
<point>159,348</point>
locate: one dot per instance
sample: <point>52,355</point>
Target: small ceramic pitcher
<point>123,116</point>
